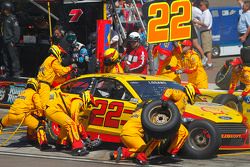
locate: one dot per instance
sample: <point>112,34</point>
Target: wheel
<point>223,77</point>
<point>229,100</point>
<point>216,51</point>
<point>203,141</point>
<point>159,123</point>
<point>52,131</point>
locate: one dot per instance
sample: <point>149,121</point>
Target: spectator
<point>10,31</point>
<point>114,37</point>
<point>196,38</point>
<point>205,29</point>
<point>244,24</point>
<point>58,34</point>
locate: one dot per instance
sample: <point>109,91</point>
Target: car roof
<point>128,77</point>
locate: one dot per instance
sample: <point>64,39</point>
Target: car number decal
<point>108,115</point>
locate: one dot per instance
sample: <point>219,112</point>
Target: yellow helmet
<point>111,56</point>
<point>87,98</point>
<point>191,90</point>
<point>56,50</point>
<point>33,83</point>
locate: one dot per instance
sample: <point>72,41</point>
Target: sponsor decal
<point>234,136</point>
<point>225,117</point>
<point>2,93</point>
<point>12,95</point>
<point>75,15</point>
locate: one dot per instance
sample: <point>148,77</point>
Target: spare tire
<point>159,123</point>
<point>223,77</point>
<point>229,100</point>
<point>203,141</point>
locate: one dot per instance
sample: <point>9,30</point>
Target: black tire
<point>159,123</point>
<point>203,141</point>
<point>223,77</point>
<point>52,131</point>
<point>216,51</point>
<point>229,100</point>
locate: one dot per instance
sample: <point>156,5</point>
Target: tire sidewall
<point>214,143</point>
<point>160,131</point>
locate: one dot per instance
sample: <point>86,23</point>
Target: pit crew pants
<point>30,121</point>
<point>178,141</point>
<point>67,125</point>
<point>44,92</point>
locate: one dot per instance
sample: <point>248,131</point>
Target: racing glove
<point>164,104</point>
<point>74,65</point>
<point>179,72</point>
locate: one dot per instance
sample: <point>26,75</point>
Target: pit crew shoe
<point>60,147</point>
<point>1,127</point>
<point>80,152</point>
<point>45,146</point>
<point>173,157</point>
<point>141,159</point>
<point>120,154</point>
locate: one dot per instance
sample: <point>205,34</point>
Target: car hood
<point>214,112</point>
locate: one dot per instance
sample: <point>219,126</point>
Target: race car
<point>211,126</point>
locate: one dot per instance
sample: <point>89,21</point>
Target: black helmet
<point>71,37</point>
<point>7,6</point>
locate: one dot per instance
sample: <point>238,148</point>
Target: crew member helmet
<point>134,37</point>
<point>191,91</point>
<point>111,54</point>
<point>33,83</point>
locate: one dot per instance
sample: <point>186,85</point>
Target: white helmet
<point>134,36</point>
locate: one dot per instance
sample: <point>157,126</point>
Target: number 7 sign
<point>168,21</point>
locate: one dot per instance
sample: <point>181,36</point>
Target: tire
<point>159,123</point>
<point>216,51</point>
<point>52,131</point>
<point>203,141</point>
<point>223,77</point>
<point>230,101</point>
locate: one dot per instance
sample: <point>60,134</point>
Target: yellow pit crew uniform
<point>132,132</point>
<point>170,66</point>
<point>242,76</point>
<point>27,103</point>
<point>114,69</point>
<point>64,110</point>
<point>50,68</point>
<point>192,66</point>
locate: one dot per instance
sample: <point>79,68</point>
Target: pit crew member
<point>240,73</point>
<point>132,132</point>
<point>167,63</point>
<point>191,65</point>
<point>51,68</point>
<point>65,110</point>
<point>135,56</point>
<point>111,61</point>
<point>28,110</point>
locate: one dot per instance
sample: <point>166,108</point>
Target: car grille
<point>232,128</point>
<point>232,142</point>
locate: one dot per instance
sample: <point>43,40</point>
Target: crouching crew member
<point>132,132</point>
<point>26,104</point>
<point>240,73</point>
<point>64,110</point>
<point>111,61</point>
<point>191,65</point>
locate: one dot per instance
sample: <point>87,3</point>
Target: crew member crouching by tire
<point>132,132</point>
<point>191,65</point>
<point>64,110</point>
<point>111,61</point>
<point>240,73</point>
<point>21,111</point>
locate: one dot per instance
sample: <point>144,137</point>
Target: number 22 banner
<point>167,20</point>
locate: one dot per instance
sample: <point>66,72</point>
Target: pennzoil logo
<point>233,136</point>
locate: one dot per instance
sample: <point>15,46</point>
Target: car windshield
<point>152,90</point>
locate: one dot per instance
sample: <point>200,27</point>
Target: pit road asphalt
<point>18,153</point>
